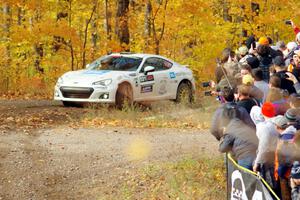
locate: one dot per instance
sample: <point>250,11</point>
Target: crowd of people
<point>258,121</point>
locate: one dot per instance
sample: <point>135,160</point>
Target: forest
<point>42,39</point>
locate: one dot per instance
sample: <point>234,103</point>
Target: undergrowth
<point>183,180</point>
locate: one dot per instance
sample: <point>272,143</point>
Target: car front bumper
<point>85,94</point>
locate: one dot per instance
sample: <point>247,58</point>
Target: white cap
<point>291,46</point>
<point>297,52</point>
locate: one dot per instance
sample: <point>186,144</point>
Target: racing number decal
<point>147,88</point>
<point>146,78</point>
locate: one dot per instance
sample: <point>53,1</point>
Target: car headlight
<point>105,82</point>
<point>60,81</point>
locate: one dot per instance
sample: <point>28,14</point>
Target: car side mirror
<point>149,69</point>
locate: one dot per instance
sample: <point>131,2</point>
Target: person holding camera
<point>227,64</point>
<point>280,71</point>
<point>294,66</point>
<point>239,138</point>
<point>220,117</point>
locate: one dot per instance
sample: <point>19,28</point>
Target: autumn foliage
<point>40,40</point>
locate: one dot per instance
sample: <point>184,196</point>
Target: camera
<point>288,22</point>
<point>207,93</point>
<point>206,84</point>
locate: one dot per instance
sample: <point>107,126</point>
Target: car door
<point>153,86</point>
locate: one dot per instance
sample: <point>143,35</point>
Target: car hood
<point>91,76</point>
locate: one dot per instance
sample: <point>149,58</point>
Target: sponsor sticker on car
<point>172,75</point>
<point>147,88</point>
<point>146,78</point>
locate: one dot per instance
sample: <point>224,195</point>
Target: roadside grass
<point>165,114</point>
<point>190,178</point>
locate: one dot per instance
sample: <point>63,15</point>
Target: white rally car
<point>117,78</point>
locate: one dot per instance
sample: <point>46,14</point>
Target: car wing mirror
<point>149,69</point>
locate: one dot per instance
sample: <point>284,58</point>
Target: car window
<point>116,63</point>
<point>158,63</point>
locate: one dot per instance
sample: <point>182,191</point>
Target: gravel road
<point>61,162</point>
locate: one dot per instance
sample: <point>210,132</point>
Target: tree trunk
<point>157,39</point>
<point>107,22</point>
<point>94,34</point>
<point>85,36</point>
<point>39,53</point>
<point>6,29</point>
<point>225,6</point>
<point>147,25</point>
<point>122,29</point>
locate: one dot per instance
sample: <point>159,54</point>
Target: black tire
<point>124,96</point>
<point>184,94</point>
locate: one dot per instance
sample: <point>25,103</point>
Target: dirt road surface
<point>56,161</point>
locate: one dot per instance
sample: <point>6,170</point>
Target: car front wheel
<point>184,94</point>
<point>124,96</point>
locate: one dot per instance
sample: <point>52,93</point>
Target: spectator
<point>220,117</point>
<point>280,69</point>
<point>267,137</point>
<point>276,97</point>
<point>253,62</point>
<point>296,29</point>
<point>243,54</point>
<point>281,47</point>
<point>295,180</point>
<point>298,40</point>
<point>240,139</point>
<point>263,41</point>
<point>288,56</point>
<point>294,66</point>
<point>245,69</point>
<point>265,60</point>
<point>259,83</point>
<point>255,92</point>
<point>293,78</point>
<point>293,117</point>
<point>244,99</point>
<point>228,63</point>
<point>250,42</point>
<point>294,101</point>
<point>275,82</point>
<point>284,153</point>
<point>295,172</point>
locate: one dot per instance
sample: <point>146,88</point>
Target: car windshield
<point>116,63</point>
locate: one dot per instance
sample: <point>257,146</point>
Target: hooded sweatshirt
<point>240,139</point>
<point>267,136</point>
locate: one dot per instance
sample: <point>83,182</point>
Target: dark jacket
<point>248,103</point>
<point>265,63</point>
<point>216,128</point>
<point>285,83</point>
<point>239,139</point>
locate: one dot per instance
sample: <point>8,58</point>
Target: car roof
<point>142,55</point>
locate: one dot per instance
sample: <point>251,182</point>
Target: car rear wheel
<point>184,94</point>
<point>124,96</point>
